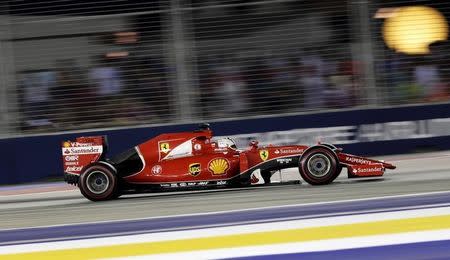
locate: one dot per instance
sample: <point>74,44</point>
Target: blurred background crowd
<point>67,65</point>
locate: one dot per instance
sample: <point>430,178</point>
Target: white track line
<point>222,231</point>
<point>304,247</point>
<point>244,210</point>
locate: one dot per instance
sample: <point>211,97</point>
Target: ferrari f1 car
<point>190,160</point>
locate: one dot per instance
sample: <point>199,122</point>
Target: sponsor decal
<point>284,160</point>
<point>70,163</point>
<point>349,134</point>
<point>223,150</point>
<point>68,144</point>
<point>296,150</point>
<point>95,149</point>
<point>195,169</point>
<point>157,169</point>
<point>219,166</point>
<point>277,151</point>
<point>183,184</point>
<point>264,154</point>
<point>77,144</point>
<point>221,182</point>
<point>164,147</point>
<point>254,179</point>
<point>74,168</point>
<point>197,147</point>
<point>366,170</point>
<point>357,160</point>
<point>71,158</point>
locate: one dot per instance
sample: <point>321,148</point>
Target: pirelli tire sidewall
<point>324,155</point>
<point>106,173</point>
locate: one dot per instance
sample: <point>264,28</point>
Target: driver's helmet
<point>226,142</point>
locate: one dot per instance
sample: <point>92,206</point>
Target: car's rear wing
<point>82,152</point>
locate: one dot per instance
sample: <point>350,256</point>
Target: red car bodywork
<point>194,159</point>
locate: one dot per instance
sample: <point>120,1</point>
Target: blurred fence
<point>70,65</point>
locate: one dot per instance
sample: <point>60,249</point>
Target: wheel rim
<point>97,182</point>
<point>319,165</point>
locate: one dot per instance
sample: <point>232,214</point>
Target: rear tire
<point>319,166</point>
<point>98,183</point>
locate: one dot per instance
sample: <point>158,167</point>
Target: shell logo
<point>66,144</point>
<point>219,166</point>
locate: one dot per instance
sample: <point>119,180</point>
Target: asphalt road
<point>416,173</point>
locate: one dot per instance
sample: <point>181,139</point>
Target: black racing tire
<point>319,166</point>
<point>98,183</point>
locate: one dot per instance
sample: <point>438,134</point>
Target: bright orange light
<point>412,29</point>
<point>117,54</point>
<point>384,13</point>
<point>126,37</point>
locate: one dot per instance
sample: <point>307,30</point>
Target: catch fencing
<point>67,65</point>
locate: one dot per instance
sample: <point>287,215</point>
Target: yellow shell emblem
<point>66,144</point>
<point>264,154</point>
<point>218,166</point>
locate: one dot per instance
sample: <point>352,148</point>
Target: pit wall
<point>364,132</point>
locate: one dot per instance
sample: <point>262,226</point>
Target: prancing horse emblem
<point>164,147</point>
<point>264,154</point>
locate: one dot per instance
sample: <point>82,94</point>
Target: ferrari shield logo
<point>264,154</point>
<point>164,147</point>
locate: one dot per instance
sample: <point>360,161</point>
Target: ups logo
<point>195,169</point>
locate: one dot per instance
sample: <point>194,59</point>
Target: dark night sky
<point>72,7</point>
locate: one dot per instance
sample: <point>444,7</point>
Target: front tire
<point>319,166</point>
<point>98,183</point>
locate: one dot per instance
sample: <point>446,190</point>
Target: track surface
<point>355,208</point>
<point>415,174</point>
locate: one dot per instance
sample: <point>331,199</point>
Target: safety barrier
<point>366,131</point>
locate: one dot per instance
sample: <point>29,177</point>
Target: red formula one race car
<point>193,160</point>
